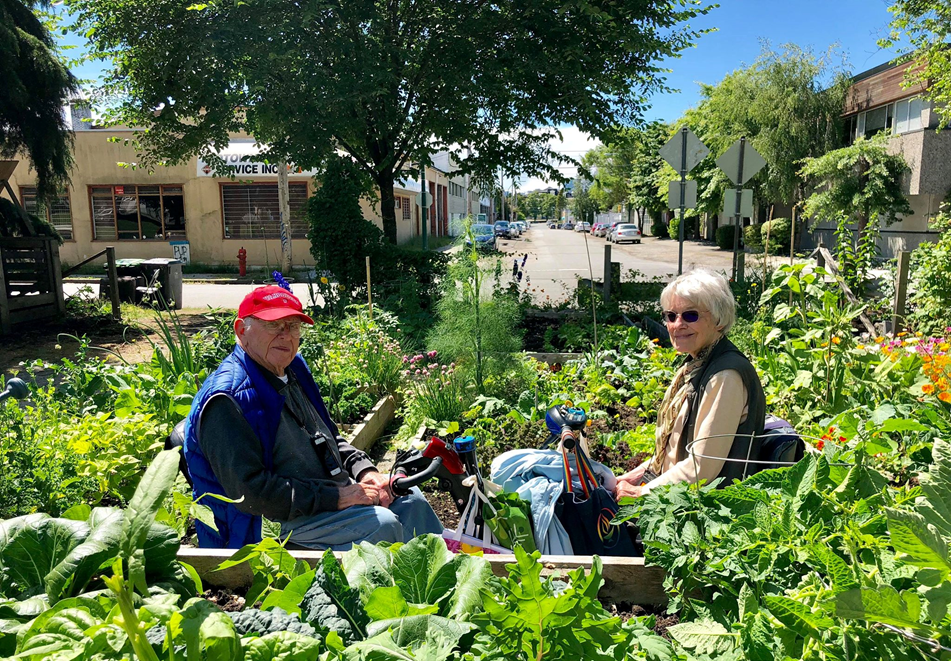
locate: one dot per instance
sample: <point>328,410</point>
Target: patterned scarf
<point>680,389</point>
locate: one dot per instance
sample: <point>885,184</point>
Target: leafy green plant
<point>725,237</point>
<point>931,280</point>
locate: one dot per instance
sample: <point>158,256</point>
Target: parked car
<point>568,226</point>
<point>626,232</point>
<point>552,225</point>
<point>484,236</point>
<point>523,225</point>
<point>598,229</point>
<point>583,227</point>
<point>503,229</point>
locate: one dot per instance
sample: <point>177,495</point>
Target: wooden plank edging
<point>626,580</point>
<point>369,431</point>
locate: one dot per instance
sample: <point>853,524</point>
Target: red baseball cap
<point>272,303</point>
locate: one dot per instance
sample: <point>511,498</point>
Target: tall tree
<point>859,184</point>
<point>36,85</point>
<point>925,25</point>
<point>583,204</point>
<point>388,81</point>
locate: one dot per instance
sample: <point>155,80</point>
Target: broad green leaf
<point>208,633</point>
<point>883,413</point>
<point>36,548</point>
<point>703,637</point>
<point>901,424</point>
<point>425,570</point>
<point>842,577</point>
<point>368,567</point>
<point>154,487</point>
<point>282,646</point>
<point>415,629</point>
<point>747,602</point>
<point>798,616</point>
<point>920,542</point>
<point>936,484</point>
<point>883,604</point>
<point>76,569</point>
<point>472,575</point>
<point>331,604</point>
<point>290,597</point>
<point>385,603</point>
<point>938,598</point>
<point>77,512</point>
<point>756,638</point>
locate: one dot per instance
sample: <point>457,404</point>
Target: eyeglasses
<point>689,316</point>
<point>278,327</point>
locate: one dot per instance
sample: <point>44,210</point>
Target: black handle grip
<point>402,485</point>
<point>16,388</point>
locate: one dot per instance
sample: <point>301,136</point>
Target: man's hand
<point>381,482</point>
<point>627,490</point>
<point>358,494</point>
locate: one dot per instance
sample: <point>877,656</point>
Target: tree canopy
<point>389,81</point>
<point>36,86</point>
<point>926,26</point>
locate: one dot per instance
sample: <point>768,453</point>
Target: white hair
<point>705,289</point>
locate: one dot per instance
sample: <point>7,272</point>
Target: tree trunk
<point>385,180</point>
<point>862,220</point>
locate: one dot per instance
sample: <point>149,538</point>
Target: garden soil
<point>49,342</point>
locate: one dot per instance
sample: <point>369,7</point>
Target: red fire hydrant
<point>242,262</point>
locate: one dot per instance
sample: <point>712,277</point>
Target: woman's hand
<point>635,476</point>
<point>628,490</point>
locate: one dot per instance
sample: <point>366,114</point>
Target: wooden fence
<point>31,281</point>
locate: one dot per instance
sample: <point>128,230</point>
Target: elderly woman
<point>715,395</point>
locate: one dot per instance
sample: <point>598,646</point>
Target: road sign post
<point>740,162</point>
<point>683,151</point>
<point>422,203</point>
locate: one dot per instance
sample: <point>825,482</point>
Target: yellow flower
<point>945,397</point>
<point>324,280</point>
<point>824,345</point>
<point>902,334</point>
<point>927,389</point>
<point>918,334</point>
<point>879,339</point>
<point>860,347</point>
<point>836,340</point>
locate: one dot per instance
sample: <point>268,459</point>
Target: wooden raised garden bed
<point>366,433</point>
<point>626,580</point>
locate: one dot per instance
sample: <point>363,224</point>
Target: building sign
<point>236,157</point>
<point>120,190</point>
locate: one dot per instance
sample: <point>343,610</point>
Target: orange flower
<point>945,397</point>
<point>927,389</point>
<point>842,439</point>
<point>836,340</point>
<point>820,445</point>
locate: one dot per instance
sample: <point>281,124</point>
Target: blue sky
<point>741,25</point>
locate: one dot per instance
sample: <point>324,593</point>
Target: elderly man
<point>259,432</point>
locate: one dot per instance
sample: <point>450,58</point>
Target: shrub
<point>673,228</point>
<point>751,236</point>
<point>931,280</point>
<point>725,237</point>
<point>658,226</point>
<point>780,234</point>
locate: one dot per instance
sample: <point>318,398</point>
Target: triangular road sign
<point>673,151</point>
<point>729,162</point>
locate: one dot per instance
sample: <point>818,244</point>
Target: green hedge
<point>725,237</point>
<point>659,227</point>
<point>751,236</point>
<point>780,232</point>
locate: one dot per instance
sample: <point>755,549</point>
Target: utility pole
<point>284,206</point>
<point>422,203</point>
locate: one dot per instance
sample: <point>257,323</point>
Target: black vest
<point>726,356</point>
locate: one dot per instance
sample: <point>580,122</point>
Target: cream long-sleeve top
<point>724,406</point>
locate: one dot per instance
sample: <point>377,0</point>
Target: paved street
<point>201,295</point>
<point>558,257</point>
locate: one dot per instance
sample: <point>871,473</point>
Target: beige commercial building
<point>188,211</point>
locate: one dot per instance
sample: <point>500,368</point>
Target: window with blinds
<point>131,212</point>
<point>407,208</point>
<point>251,211</point>
<point>57,213</point>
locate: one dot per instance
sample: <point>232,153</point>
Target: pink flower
<point>431,354</point>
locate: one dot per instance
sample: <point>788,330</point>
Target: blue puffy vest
<point>239,377</point>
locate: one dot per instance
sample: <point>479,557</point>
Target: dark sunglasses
<point>689,316</point>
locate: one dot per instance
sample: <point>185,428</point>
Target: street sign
<point>673,151</point>
<point>729,204</point>
<point>690,194</point>
<point>729,162</point>
<point>427,199</point>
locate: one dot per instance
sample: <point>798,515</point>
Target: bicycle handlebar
<point>402,485</point>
